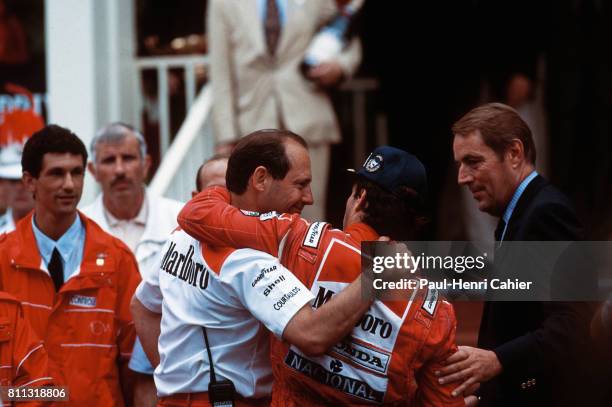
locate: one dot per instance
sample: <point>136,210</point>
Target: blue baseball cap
<point>391,168</point>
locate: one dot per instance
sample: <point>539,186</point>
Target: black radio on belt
<point>220,392</point>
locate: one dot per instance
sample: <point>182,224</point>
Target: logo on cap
<point>374,163</point>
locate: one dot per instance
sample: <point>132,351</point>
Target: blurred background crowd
<point>422,67</point>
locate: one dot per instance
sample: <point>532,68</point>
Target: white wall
<point>90,47</point>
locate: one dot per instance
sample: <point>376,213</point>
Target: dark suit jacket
<point>538,343</point>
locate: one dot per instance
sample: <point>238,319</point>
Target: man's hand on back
<point>470,366</point>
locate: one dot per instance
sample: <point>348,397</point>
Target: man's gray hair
<point>114,133</point>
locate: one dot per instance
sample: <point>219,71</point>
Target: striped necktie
<point>272,26</point>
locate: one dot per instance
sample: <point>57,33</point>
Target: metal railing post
<point>164,108</point>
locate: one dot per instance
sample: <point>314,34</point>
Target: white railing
<point>175,177</point>
<point>162,66</point>
<point>194,142</point>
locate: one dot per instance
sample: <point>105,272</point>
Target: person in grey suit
<point>256,48</point>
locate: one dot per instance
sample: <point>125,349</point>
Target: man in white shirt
<point>120,164</point>
<point>237,294</point>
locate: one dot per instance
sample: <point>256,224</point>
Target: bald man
<point>211,172</point>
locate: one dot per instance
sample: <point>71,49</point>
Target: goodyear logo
<point>430,302</point>
<point>313,235</point>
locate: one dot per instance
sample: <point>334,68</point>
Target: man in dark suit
<point>526,349</point>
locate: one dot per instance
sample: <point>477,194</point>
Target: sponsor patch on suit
<point>268,215</point>
<point>363,355</point>
<point>431,301</point>
<point>313,236</point>
<point>83,301</point>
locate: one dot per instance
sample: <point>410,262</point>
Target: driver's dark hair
<point>398,215</point>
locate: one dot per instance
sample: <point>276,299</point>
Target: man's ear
<point>147,165</point>
<point>515,152</point>
<point>29,181</point>
<point>92,169</point>
<point>260,178</point>
<point>362,203</point>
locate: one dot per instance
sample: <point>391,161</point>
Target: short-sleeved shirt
<point>238,295</point>
<point>393,352</point>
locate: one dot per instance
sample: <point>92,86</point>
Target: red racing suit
<point>392,353</point>
<point>86,327</point>
<point>23,359</point>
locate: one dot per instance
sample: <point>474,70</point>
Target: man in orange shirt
<point>23,359</point>
<point>392,354</point>
<point>73,280</point>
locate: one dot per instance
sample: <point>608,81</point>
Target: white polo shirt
<point>130,231</point>
<point>236,295</point>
